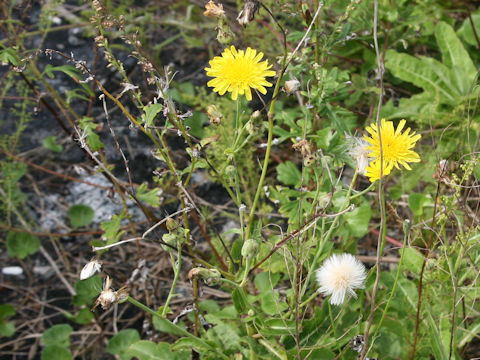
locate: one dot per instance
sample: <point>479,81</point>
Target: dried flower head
<point>108,297</point>
<point>213,10</point>
<point>238,72</point>
<point>396,146</point>
<point>248,12</point>
<point>339,276</point>
<point>90,269</point>
<point>291,86</point>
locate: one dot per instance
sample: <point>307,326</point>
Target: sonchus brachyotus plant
<point>239,71</point>
<point>396,148</point>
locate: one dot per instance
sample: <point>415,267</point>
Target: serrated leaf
<point>50,143</point>
<point>455,56</point>
<point>22,244</point>
<point>58,335</point>
<point>80,215</point>
<point>151,197</point>
<point>119,344</point>
<point>289,174</point>
<point>150,112</point>
<point>419,73</point>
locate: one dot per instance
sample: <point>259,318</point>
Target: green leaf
<point>145,350</point>
<point>357,220</point>
<point>9,55</point>
<point>50,143</point>
<point>270,303</point>
<point>435,339</point>
<point>289,174</point>
<point>262,281</point>
<point>22,244</point>
<point>84,316</point>
<point>150,112</point>
<point>187,344</point>
<point>69,70</point>
<point>80,215</point>
<point>419,73</point>
<point>6,310</point>
<point>87,290</point>
<point>416,202</point>
<point>466,30</point>
<point>413,259</point>
<point>275,327</point>
<point>92,138</point>
<point>58,335</point>
<point>119,344</point>
<point>455,56</point>
<point>7,329</point>
<point>166,326</point>
<point>196,123</point>
<point>239,300</point>
<point>56,352</point>
<point>151,197</point>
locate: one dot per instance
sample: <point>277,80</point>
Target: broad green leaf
<point>58,335</point>
<point>270,303</point>
<point>239,300</point>
<point>419,73</point>
<point>80,215</point>
<point>7,329</point>
<point>151,197</point>
<point>166,348</point>
<point>22,244</point>
<point>265,281</point>
<point>413,259</point>
<point>196,123</point>
<point>289,174</point>
<point>119,344</point>
<point>455,56</point>
<point>466,30</point>
<point>151,112</point>
<point>188,344</point>
<point>87,290</point>
<point>56,352</point>
<point>6,310</point>
<point>357,220</point>
<point>50,143</point>
<point>227,334</point>
<point>145,350</point>
<point>416,202</point>
<point>111,228</point>
<point>166,326</point>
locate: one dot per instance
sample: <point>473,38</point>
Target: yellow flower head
<point>373,170</point>
<point>396,145</point>
<point>238,71</point>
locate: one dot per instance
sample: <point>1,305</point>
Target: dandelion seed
<point>339,276</point>
<point>359,153</point>
<point>237,72</point>
<point>396,145</point>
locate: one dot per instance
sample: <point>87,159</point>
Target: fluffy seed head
<point>339,276</point>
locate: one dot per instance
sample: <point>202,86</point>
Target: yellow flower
<point>238,71</point>
<point>373,170</point>
<point>396,145</point>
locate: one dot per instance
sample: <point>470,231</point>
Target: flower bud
<point>210,276</point>
<point>250,249</point>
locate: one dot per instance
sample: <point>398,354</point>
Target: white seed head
<point>339,276</point>
<point>359,153</point>
<point>291,86</point>
<point>90,269</point>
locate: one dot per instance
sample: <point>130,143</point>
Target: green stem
<point>328,235</point>
<point>176,271</point>
<point>392,293</point>
<point>248,263</point>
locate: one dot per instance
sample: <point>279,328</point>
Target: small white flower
<point>90,269</point>
<point>340,275</point>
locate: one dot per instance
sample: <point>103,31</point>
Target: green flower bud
<point>250,249</point>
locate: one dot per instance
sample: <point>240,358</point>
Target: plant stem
<point>176,270</point>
